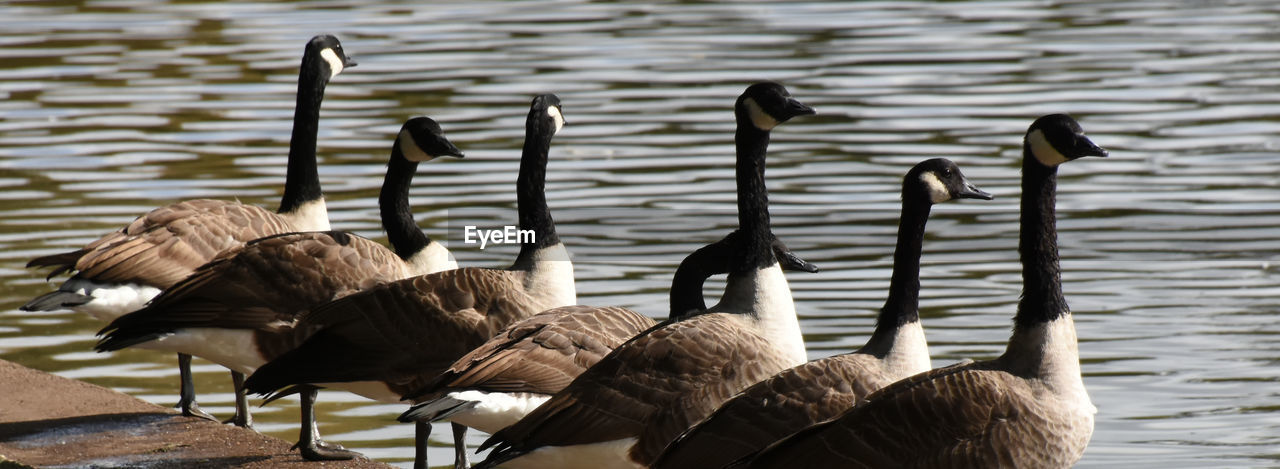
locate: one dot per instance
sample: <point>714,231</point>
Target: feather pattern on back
<point>167,244</point>
<point>264,286</point>
<point>973,412</point>
<point>774,408</point>
<point>543,353</point>
<point>653,387</point>
<point>402,333</point>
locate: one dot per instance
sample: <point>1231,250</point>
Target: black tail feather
<point>116,341</point>
<point>286,392</point>
<point>63,262</point>
<point>500,454</point>
<point>56,300</point>
<point>266,381</point>
<point>435,410</point>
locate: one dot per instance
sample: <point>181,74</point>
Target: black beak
<point>970,191</point>
<point>453,151</point>
<point>348,62</point>
<point>1085,147</point>
<point>797,108</point>
<point>789,260</point>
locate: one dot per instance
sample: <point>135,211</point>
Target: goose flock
<point>281,298</point>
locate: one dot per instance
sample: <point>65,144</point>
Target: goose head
<point>421,139</point>
<point>1057,138</point>
<point>938,180</point>
<point>332,59</point>
<point>768,104</point>
<point>545,114</point>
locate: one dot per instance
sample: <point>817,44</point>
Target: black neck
<point>531,198</point>
<point>753,197</point>
<point>302,183</point>
<point>393,202</point>
<point>903,305</point>
<point>686,285</point>
<point>1042,299</point>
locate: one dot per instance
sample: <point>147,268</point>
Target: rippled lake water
<point>1171,246</point>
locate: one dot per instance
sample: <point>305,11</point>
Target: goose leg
<point>187,390</point>
<point>309,443</point>
<point>242,418</point>
<point>459,446</point>
<point>421,430</point>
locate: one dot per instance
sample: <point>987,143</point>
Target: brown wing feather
<point>402,333</point>
<point>972,415</point>
<point>652,387</point>
<point>774,408</point>
<point>543,353</point>
<point>168,243</point>
<point>264,285</point>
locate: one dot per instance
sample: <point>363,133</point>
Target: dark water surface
<point>1171,246</point>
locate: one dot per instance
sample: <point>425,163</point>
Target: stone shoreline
<point>48,420</point>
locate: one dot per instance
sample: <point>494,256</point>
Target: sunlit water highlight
<point>1170,246</point>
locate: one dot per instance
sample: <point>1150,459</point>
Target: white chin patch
<point>554,112</point>
<point>762,120</point>
<point>938,192</point>
<point>1043,151</point>
<point>410,149</point>
<point>335,62</point>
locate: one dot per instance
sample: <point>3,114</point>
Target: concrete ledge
<point>48,420</point>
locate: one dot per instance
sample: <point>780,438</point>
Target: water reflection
<point>1170,246</point>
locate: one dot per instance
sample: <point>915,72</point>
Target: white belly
<point>375,390</point>
<point>233,348</point>
<point>608,454</point>
<point>111,301</point>
<point>495,411</point>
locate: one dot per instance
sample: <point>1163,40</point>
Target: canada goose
<point>822,389</point>
<point>500,382</point>
<point>121,271</point>
<point>1026,408</point>
<point>623,410</point>
<point>238,310</point>
<point>393,338</point>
